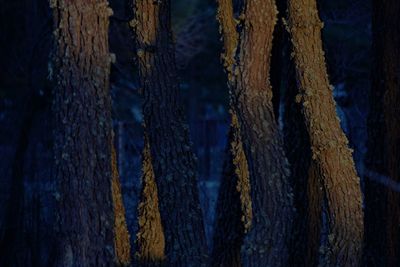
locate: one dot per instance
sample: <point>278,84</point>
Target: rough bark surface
<point>265,243</point>
<point>82,133</point>
<point>383,154</point>
<point>234,204</point>
<point>333,159</point>
<point>307,190</point>
<point>122,240</point>
<point>391,82</point>
<point>150,237</point>
<point>170,148</point>
<point>234,212</point>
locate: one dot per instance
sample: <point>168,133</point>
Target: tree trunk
<point>234,213</point>
<point>247,58</point>
<point>390,65</point>
<point>308,196</point>
<point>121,240</point>
<point>383,154</point>
<point>150,238</point>
<point>171,152</point>
<point>329,146</point>
<point>83,131</point>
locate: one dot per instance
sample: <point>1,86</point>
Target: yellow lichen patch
<point>150,237</point>
<point>121,241</point>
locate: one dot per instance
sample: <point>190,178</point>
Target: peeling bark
<point>329,146</point>
<point>82,133</point>
<point>249,49</point>
<point>171,151</point>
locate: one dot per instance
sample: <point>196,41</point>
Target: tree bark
<point>150,238</point>
<point>390,39</point>
<point>121,239</point>
<point>307,192</point>
<point>383,156</point>
<point>234,213</point>
<point>329,146</point>
<point>248,52</point>
<point>171,152</point>
<point>83,132</point>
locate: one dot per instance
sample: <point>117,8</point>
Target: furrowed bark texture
<point>307,191</point>
<point>391,83</point>
<point>150,237</point>
<point>121,239</point>
<point>82,133</point>
<point>265,243</point>
<point>234,212</point>
<point>170,148</point>
<point>383,154</point>
<point>329,145</point>
<point>234,204</point>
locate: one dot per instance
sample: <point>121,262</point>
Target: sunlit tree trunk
<point>150,237</point>
<point>247,58</point>
<point>83,132</point>
<point>121,239</point>
<point>329,146</point>
<point>170,149</point>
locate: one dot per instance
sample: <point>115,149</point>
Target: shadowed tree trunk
<point>387,28</point>
<point>170,149</point>
<point>83,132</point>
<point>233,217</point>
<point>383,156</point>
<point>247,58</point>
<point>307,193</point>
<point>329,146</point>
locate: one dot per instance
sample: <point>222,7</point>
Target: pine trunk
<point>329,146</point>
<point>170,148</point>
<point>83,132</point>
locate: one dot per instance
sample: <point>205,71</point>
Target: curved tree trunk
<point>332,157</point>
<point>234,204</point>
<point>171,152</point>
<point>82,136</point>
<point>248,52</point>
<point>307,194</point>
